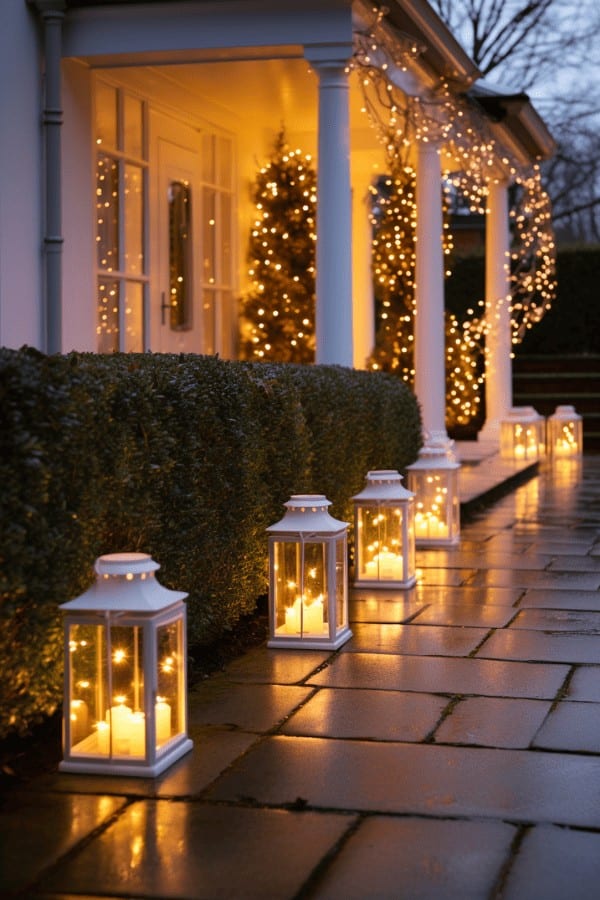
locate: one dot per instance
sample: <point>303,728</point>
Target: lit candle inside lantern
<point>519,451</point>
<point>163,720</point>
<point>119,719</point>
<point>128,730</point>
<point>79,720</point>
<point>303,616</point>
<point>137,734</point>
<point>386,564</point>
<point>430,525</point>
<point>103,737</point>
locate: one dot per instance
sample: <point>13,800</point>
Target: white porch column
<point>430,336</point>
<point>334,343</point>
<point>498,365</point>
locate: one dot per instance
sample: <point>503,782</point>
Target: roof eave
<point>442,54</point>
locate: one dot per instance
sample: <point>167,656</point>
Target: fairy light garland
<point>469,160</point>
<point>393,217</point>
<point>278,311</point>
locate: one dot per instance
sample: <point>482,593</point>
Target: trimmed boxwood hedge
<point>188,458</point>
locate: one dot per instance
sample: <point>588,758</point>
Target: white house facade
<point>131,135</point>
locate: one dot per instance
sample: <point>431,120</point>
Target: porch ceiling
<point>244,93</point>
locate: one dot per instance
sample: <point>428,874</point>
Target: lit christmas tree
<point>394,214</point>
<point>279,310</point>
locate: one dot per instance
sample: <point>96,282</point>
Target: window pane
<point>180,255</point>
<point>133,251</point>
<point>208,235</point>
<point>133,340</point>
<point>225,239</point>
<point>107,213</point>
<point>106,116</point>
<point>108,315</point>
<point>224,154</point>
<point>133,132</point>
<point>208,321</point>
<point>208,158</point>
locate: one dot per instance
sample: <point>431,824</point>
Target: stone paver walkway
<point>450,750</point>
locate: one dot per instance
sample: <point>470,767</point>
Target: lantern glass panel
<point>380,529</point>
<point>341,606</point>
<point>169,709</point>
<point>126,715</point>
<point>89,690</point>
<point>300,587</point>
<point>565,432</point>
<point>434,512</point>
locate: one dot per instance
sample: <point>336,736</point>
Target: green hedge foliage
<point>187,458</point>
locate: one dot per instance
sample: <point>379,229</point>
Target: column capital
<point>328,56</point>
<point>50,8</point>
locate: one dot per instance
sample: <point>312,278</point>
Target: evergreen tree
<point>278,312</point>
<point>393,217</point>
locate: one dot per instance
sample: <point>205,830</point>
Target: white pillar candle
<point>119,718</point>
<point>386,565</point>
<point>292,618</point>
<point>163,721</point>
<point>304,617</point>
<point>313,617</point>
<point>103,738</point>
<point>137,734</point>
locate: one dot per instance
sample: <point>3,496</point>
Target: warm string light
<point>533,258</point>
<point>393,217</point>
<point>470,157</point>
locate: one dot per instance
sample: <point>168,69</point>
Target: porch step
<point>548,381</point>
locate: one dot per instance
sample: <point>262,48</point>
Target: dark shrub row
<point>187,458</point>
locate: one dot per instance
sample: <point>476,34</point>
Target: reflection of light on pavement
<point>527,498</point>
<point>137,846</point>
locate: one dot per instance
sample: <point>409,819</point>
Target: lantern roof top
<point>435,455</point>
<point>125,582</point>
<point>523,414</point>
<point>308,515</point>
<point>382,485</point>
<point>566,411</point>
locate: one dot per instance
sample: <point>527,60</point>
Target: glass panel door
<point>178,293</point>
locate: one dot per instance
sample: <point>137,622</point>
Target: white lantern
<point>433,479</point>
<point>308,576</point>
<point>384,532</point>
<point>522,435</point>
<point>125,706</point>
<point>565,432</point>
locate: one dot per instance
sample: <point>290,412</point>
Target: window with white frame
<point>216,241</point>
<point>121,202</point>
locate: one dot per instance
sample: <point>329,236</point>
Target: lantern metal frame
<point>308,561</point>
<point>147,738</point>
<point>564,433</point>
<point>437,515</point>
<point>522,435</point>
<point>384,532</point>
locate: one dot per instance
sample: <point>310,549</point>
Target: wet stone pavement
<point>451,749</point>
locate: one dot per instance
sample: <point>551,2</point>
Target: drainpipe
<point>52,14</point>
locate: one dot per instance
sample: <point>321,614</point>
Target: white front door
<point>175,198</point>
